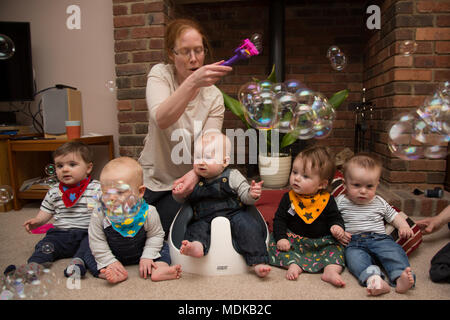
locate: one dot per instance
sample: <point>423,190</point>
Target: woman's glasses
<point>186,52</point>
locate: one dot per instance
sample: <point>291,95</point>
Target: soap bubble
<point>304,128</point>
<point>332,51</point>
<point>266,85</point>
<point>323,115</point>
<point>50,169</point>
<point>7,47</point>
<point>278,87</point>
<point>119,201</point>
<point>256,39</point>
<point>6,295</point>
<point>293,86</point>
<point>408,47</point>
<point>402,142</point>
<point>260,107</point>
<point>111,85</point>
<point>435,111</point>
<point>47,248</point>
<point>6,194</point>
<point>286,110</point>
<point>338,61</point>
<point>444,89</point>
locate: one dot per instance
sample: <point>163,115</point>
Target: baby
<point>126,230</point>
<point>363,212</point>
<point>222,191</point>
<point>307,221</point>
<point>67,204</point>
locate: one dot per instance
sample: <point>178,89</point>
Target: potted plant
<point>274,167</point>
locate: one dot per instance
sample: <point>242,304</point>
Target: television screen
<point>16,67</point>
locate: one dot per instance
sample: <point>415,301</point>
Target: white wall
<point>81,58</point>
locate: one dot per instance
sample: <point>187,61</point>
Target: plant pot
<point>275,170</point>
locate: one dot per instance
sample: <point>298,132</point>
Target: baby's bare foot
<point>293,272</point>
<point>331,274</point>
<point>166,273</point>
<point>377,286</point>
<point>405,281</point>
<point>113,276</point>
<point>193,249</point>
<point>262,270</point>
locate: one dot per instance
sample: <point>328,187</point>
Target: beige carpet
<point>17,245</point>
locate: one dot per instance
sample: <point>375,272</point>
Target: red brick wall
<point>394,83</point>
<point>139,44</point>
<point>399,84</point>
<point>311,27</point>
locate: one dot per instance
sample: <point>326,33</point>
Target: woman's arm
<point>171,109</point>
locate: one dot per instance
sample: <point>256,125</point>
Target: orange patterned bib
<point>309,208</point>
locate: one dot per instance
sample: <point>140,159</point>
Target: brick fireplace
<point>394,83</point>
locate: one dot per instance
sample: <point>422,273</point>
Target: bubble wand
<point>247,49</point>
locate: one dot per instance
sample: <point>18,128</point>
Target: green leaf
<point>289,138</point>
<point>272,76</point>
<point>235,107</point>
<point>339,97</point>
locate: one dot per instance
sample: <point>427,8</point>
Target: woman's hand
<point>208,74</point>
<point>184,186</point>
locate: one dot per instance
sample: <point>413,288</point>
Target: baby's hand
<point>405,232</point>
<point>337,231</point>
<point>256,189</point>
<point>283,245</point>
<point>145,267</point>
<point>31,224</point>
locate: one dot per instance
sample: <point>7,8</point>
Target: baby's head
<point>123,171</point>
<point>361,177</point>
<point>312,170</point>
<point>73,162</point>
<point>211,154</point>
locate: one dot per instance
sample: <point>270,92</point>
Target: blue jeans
<point>367,249</point>
<point>67,243</point>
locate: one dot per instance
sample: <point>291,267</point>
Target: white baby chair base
<point>222,258</point>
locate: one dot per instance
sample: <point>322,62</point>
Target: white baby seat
<point>222,258</point>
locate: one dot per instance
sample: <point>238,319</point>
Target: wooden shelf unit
<point>27,157</point>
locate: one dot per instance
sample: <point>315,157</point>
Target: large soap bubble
<point>435,111</point>
<point>402,138</point>
<point>260,106</point>
<point>286,111</point>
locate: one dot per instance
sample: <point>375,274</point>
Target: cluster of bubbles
<point>6,194</point>
<point>337,58</point>
<point>29,281</point>
<point>289,107</point>
<point>118,201</point>
<point>7,47</point>
<point>425,132</point>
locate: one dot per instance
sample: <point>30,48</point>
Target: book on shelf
<point>35,184</point>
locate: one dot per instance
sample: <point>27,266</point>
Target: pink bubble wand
<point>247,49</point>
